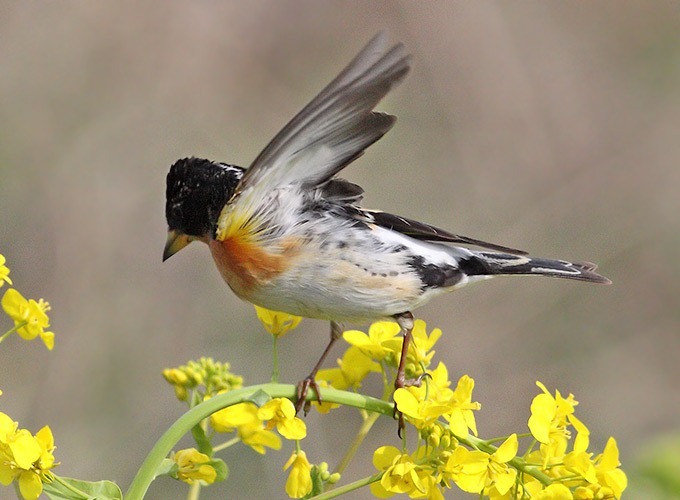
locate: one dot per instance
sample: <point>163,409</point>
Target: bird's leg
<point>310,380</point>
<point>405,321</point>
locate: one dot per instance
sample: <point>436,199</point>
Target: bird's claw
<point>302,390</point>
<point>400,383</point>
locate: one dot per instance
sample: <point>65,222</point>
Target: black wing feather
<point>427,232</point>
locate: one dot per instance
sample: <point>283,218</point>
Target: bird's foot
<point>302,390</point>
<point>399,383</point>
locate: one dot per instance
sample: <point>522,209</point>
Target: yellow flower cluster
<point>30,316</point>
<point>449,456</point>
<point>25,458</point>
<point>204,378</point>
<point>450,453</point>
<point>254,425</point>
<point>254,428</point>
<point>551,423</point>
<point>382,344</point>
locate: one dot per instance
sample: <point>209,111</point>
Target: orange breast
<point>245,265</point>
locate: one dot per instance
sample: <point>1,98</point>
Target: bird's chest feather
<point>247,266</point>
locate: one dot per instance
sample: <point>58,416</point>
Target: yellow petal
<point>505,481</point>
<point>228,419</point>
<point>406,402</point>
<point>7,427</point>
<point>25,449</point>
<point>507,450</point>
<point>30,485</point>
<point>384,457</point>
<point>610,455</point>
<point>292,429</point>
<point>554,492</point>
<point>48,339</point>
<point>14,304</point>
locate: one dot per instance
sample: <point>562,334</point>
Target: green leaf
<point>65,488</point>
<point>167,467</point>
<point>259,397</point>
<point>202,442</point>
<point>221,468</point>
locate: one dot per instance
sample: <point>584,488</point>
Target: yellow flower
<point>30,317</point>
<point>232,417</point>
<point>299,481</point>
<point>243,418</point>
<point>257,437</point>
<point>4,271</point>
<point>275,322</point>
<point>549,421</point>
<point>280,413</point>
<point>438,382</point>
<point>194,466</point>
<point>420,412</point>
<point>474,470</point>
<point>352,370</point>
<point>25,458</point>
<point>461,417</point>
<point>401,474</point>
<point>433,397</point>
<point>607,471</point>
<point>420,351</point>
<point>553,492</point>
<point>376,343</point>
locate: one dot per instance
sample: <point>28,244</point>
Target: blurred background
<point>552,127</point>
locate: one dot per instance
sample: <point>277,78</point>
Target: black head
<point>197,190</point>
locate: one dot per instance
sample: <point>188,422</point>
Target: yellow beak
<point>175,242</point>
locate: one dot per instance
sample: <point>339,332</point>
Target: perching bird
<point>288,235</point>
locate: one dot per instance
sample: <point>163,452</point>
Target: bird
<point>289,235</point>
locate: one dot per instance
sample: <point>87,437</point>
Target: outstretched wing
<point>335,127</point>
<point>422,231</point>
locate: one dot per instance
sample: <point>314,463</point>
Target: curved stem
<point>363,431</point>
<point>140,484</point>
<point>12,330</point>
<point>356,442</point>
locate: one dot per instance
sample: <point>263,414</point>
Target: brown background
<point>552,127</point>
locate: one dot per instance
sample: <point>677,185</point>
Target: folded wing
<point>422,231</point>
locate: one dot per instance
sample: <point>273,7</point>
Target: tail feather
<point>493,263</point>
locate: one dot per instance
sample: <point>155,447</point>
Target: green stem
<point>194,491</point>
<point>517,463</point>
<point>356,442</point>
<point>140,484</point>
<point>275,361</point>
<point>71,488</point>
<point>348,487</point>
<point>226,444</point>
<point>363,431</point>
<point>503,438</point>
<point>12,330</point>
